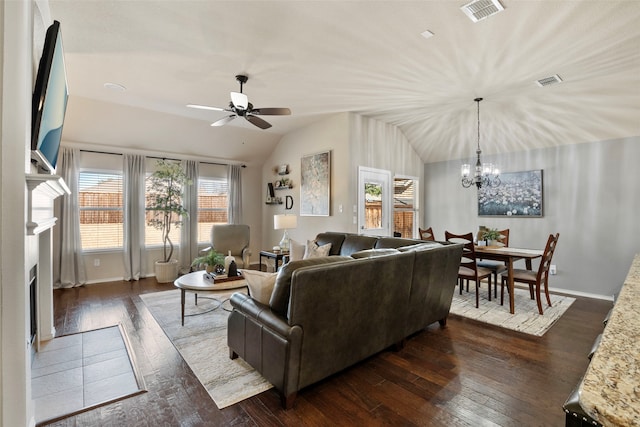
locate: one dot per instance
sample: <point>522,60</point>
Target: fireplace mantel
<point>42,190</point>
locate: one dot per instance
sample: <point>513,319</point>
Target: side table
<point>277,257</point>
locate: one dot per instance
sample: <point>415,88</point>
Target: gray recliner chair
<point>234,238</point>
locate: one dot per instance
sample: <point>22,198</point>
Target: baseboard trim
<point>113,279</point>
<point>582,294</point>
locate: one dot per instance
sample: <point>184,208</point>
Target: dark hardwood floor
<point>467,374</point>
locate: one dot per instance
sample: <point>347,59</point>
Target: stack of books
<point>221,278</point>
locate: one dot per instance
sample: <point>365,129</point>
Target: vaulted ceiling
<point>325,57</point>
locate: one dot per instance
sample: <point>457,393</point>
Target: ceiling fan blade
<point>206,107</point>
<point>223,121</point>
<point>258,121</point>
<point>239,100</point>
<point>271,111</point>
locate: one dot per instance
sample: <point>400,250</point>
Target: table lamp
<point>284,222</point>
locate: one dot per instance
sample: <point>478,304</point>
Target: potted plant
<point>491,236</point>
<point>213,261</point>
<point>164,203</point>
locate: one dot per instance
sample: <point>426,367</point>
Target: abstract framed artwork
<point>315,184</point>
<point>518,195</point>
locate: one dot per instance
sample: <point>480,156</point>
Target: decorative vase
<point>228,260</point>
<point>166,271</point>
<point>232,271</point>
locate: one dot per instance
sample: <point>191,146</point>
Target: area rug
<point>526,318</point>
<point>202,342</point>
<point>79,372</point>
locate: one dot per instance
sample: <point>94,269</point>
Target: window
<point>100,202</point>
<point>153,236</point>
<point>212,206</point>
<point>405,206</point>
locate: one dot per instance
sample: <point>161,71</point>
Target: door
<point>374,201</point>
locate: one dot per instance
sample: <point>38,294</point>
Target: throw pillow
<point>260,284</point>
<point>296,250</point>
<point>314,251</point>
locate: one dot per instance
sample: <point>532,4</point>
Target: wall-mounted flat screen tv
<point>49,102</point>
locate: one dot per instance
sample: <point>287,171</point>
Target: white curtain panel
<point>133,215</point>
<point>189,230</point>
<point>68,257</point>
<point>234,180</point>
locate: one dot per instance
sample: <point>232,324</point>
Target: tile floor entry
<point>74,373</point>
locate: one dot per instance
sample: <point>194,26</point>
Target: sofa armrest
<point>265,341</point>
<point>261,313</point>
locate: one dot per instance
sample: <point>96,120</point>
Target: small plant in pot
<point>491,236</point>
<point>165,211</point>
<point>213,260</point>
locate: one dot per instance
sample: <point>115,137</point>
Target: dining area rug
<point>202,342</point>
<point>526,318</point>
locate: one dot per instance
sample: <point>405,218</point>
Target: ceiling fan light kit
<point>241,107</point>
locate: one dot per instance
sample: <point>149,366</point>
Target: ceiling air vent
<point>480,9</point>
<point>549,81</point>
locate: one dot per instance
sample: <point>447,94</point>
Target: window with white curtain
<point>101,210</point>
<point>100,204</point>
<point>212,205</point>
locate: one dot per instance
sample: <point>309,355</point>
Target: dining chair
<point>426,234</point>
<point>535,278</point>
<point>495,266</point>
<point>468,269</point>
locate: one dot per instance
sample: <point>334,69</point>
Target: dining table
<point>508,255</point>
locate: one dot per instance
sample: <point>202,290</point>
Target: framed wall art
<point>315,184</point>
<point>518,195</point>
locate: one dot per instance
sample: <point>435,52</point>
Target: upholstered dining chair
<point>535,278</point>
<point>234,238</point>
<point>426,234</point>
<point>468,269</point>
<point>495,266</point>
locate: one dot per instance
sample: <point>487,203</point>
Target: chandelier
<point>486,174</point>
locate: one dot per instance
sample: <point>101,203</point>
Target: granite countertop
<point>610,390</point>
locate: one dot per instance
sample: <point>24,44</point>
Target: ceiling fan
<point>241,107</point>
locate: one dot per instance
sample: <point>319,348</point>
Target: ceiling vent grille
<point>547,81</point>
<point>478,10</point>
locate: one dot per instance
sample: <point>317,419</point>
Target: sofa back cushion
<point>420,246</point>
<point>279,301</point>
<point>354,243</point>
<point>335,239</point>
<point>370,253</point>
<point>394,242</point>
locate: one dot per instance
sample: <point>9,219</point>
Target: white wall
<point>590,197</point>
<point>330,134</point>
<point>16,72</point>
<point>354,141</point>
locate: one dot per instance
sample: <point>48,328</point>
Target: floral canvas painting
<point>518,195</point>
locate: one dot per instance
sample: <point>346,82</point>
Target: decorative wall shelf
<point>273,203</point>
<point>42,191</point>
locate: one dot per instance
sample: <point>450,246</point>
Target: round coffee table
<point>195,282</point>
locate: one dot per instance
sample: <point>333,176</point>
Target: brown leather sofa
<point>326,314</point>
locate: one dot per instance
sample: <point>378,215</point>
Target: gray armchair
<point>234,238</point>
